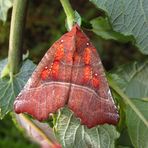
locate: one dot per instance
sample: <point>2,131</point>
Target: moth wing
<point>90,98</point>
<point>47,89</point>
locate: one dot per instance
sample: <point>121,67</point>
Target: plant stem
<point>69,13</point>
<point>16,35</point>
<point>127,100</point>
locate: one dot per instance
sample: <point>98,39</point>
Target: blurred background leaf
<point>5,5</point>
<point>42,133</point>
<point>10,136</point>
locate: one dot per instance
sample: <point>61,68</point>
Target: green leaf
<point>124,139</point>
<point>133,79</point>
<point>10,89</point>
<point>78,19</point>
<point>4,7</point>
<point>72,134</point>
<point>101,27</point>
<point>120,146</point>
<point>129,17</point>
<point>137,129</point>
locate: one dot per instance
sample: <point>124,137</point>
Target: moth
<point>70,74</point>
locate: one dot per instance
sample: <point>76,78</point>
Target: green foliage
<point>77,19</point>
<point>4,7</point>
<point>120,146</point>
<point>138,131</point>
<point>101,27</point>
<point>132,78</point>
<point>124,21</point>
<point>9,89</point>
<point>128,18</point>
<point>72,134</point>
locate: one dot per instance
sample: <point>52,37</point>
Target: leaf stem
<point>69,12</point>
<point>16,36</point>
<point>127,100</point>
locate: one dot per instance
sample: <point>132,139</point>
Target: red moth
<point>71,74</point>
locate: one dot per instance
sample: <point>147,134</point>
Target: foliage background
<point>45,24</point>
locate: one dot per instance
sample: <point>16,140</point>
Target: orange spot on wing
<point>55,69</point>
<point>59,52</point>
<point>45,73</point>
<point>95,81</point>
<point>87,73</point>
<point>87,55</point>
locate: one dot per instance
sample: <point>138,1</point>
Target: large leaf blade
<point>137,129</point>
<point>129,17</point>
<point>72,134</point>
<point>133,79</point>
<point>10,89</point>
<point>101,27</point>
